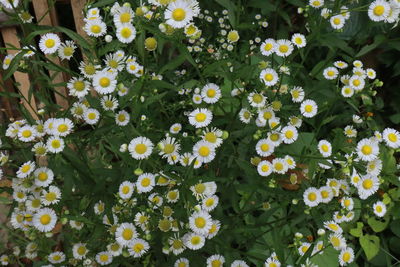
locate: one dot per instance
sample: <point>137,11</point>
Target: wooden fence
<point>46,12</point>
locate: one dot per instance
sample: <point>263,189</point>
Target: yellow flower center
<point>325,148</point>
<point>366,149</point>
<point>125,189</point>
<point>332,226</point>
<point>211,93</point>
<point>392,137</point>
<point>200,117</point>
<point>308,108</point>
<point>200,222</point>
<point>79,86</point>
<point>92,116</point>
<point>312,196</point>
<point>90,69</point>
<point>199,188</point>
<point>367,184</point>
<point>278,166</point>
<point>49,43</point>
<point>283,48</point>
<point>62,128</point>
<point>104,82</point>
<point>121,117</point>
<point>179,14</point>
<point>126,32</point>
<point>346,256</point>
<point>27,133</point>
<point>268,77</point>
<point>204,151</point>
<point>257,98</point>
<point>125,17</point>
<point>127,234</point>
<point>145,182</point>
<point>216,263</point>
<point>378,208</point>
<point>379,10</point>
<point>268,47</point>
<point>95,29</point>
<point>81,250</point>
<point>195,240</point>
<point>169,148</point>
<point>289,134</point>
<point>51,196</point>
<point>274,137</point>
<point>55,144</point>
<point>336,21</point>
<point>140,148</point>
<point>331,73</point>
<point>104,257</point>
<point>45,219</point>
<point>265,168</point>
<point>68,51</point>
<point>26,168</point>
<point>264,147</point>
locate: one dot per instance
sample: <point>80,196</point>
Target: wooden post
<point>41,7</point>
<point>10,37</point>
<point>77,10</point>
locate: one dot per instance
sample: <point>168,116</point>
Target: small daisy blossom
<point>379,208</point>
<point>346,256</point>
<point>200,117</point>
<point>391,138</point>
<point>312,197</point>
<point>269,77</point>
<point>49,43</point>
<point>308,108</point>
<point>140,148</point>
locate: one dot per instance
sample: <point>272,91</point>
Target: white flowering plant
<point>218,133</point>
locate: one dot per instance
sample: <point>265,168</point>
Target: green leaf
<point>395,227</point>
<point>377,226</point>
<point>357,232</point>
<point>379,39</point>
<point>370,245</point>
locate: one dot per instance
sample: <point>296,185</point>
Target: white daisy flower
<point>379,208</point>
<point>333,226</point>
<point>55,144</point>
<point>56,257</point>
<point>91,116</point>
<point>283,48</point>
<point>49,43</point>
<point>145,182</point>
<point>27,133</point>
<point>44,220</point>
<point>140,148</point>
<point>257,100</point>
<point>125,234</point>
<point>326,194</point>
<point>182,262</point>
<point>338,241</point>
<point>347,91</point>
<point>311,197</point>
<point>95,27</point>
<point>138,247</point>
<point>268,47</point>
<point>52,196</point>
<point>299,40</point>
<point>194,241</point>
<point>367,149</point>
<point>104,258</point>
<point>104,82</point>
<point>79,251</point>
<point>340,64</point>
<point>66,50</point>
<point>297,94</point>
<point>175,128</point>
<point>245,115</point>
<point>26,169</point>
<point>210,203</point>
<point>239,263</point>
<point>109,102</point>
<point>126,190</point>
<point>346,256</point>
<point>374,167</point>
<point>316,3</point>
<point>126,33</point>
<point>7,61</point>
<point>325,148</point>
<point>200,222</point>
<point>337,22</point>
<point>289,134</point>
<point>331,73</point>
<point>269,77</point>
<point>204,151</point>
<point>367,186</point>
<point>308,108</point>
<point>391,138</point>
<point>279,165</point>
<point>356,82</point>
<point>122,118</point>
<point>200,117</point>
<point>265,147</point>
<point>215,260</point>
<point>211,93</point>
<point>123,15</point>
<point>78,87</point>
<point>62,127</point>
<point>378,10</point>
<point>264,168</point>
<point>178,14</point>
